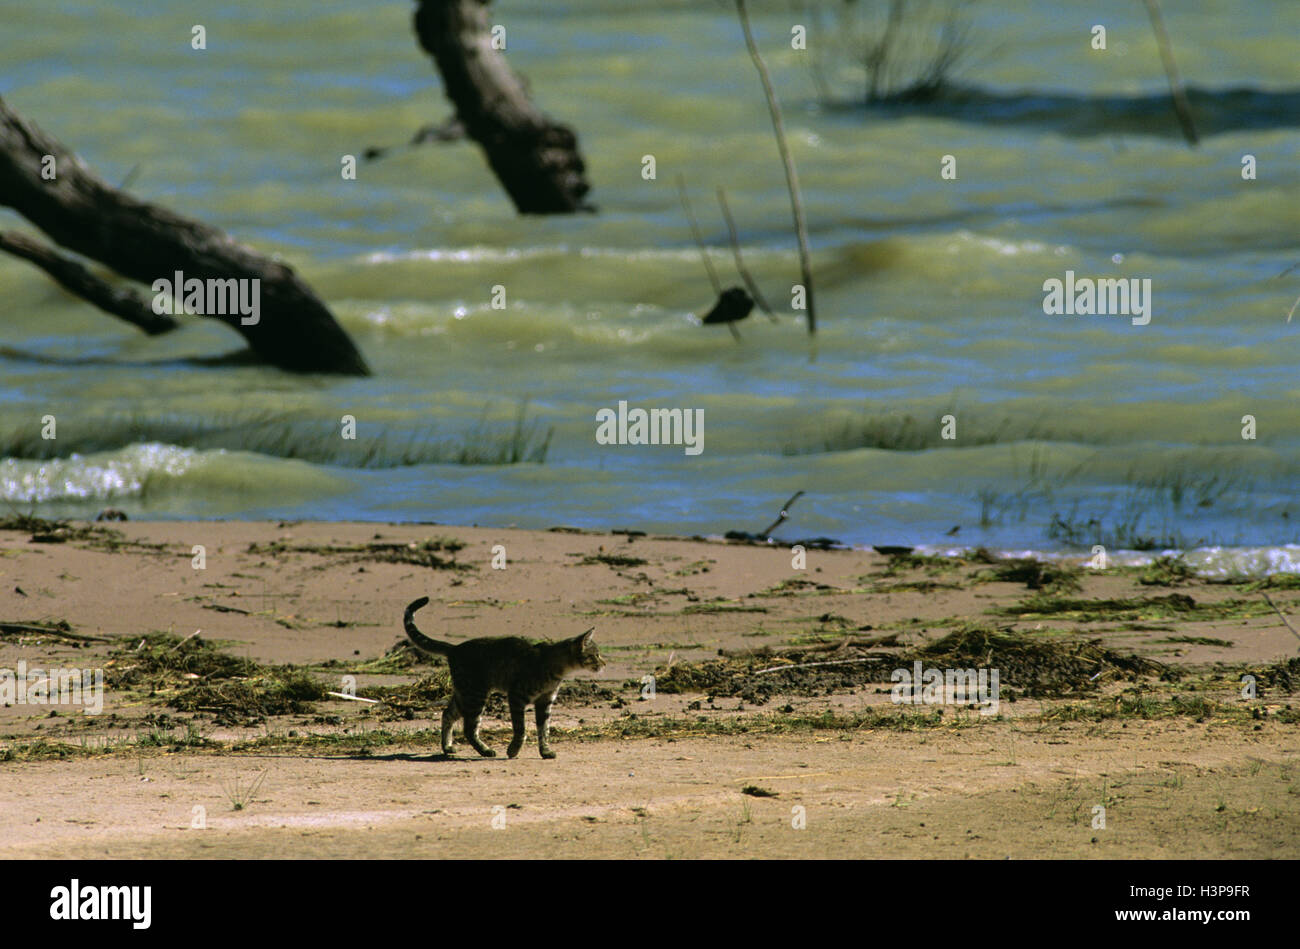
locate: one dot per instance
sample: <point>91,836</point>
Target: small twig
<point>766,652</point>
<point>1279,613</point>
<point>226,609</point>
<point>1182,108</point>
<point>791,176</point>
<point>352,698</point>
<point>699,239</point>
<point>809,665</point>
<point>185,640</point>
<point>1291,312</point>
<point>879,55</point>
<point>451,130</point>
<point>750,285</point>
<point>785,512</point>
<point>130,177</point>
<point>815,65</point>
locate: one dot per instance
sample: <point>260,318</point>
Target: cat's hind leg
<point>543,713</point>
<point>449,717</point>
<point>517,706</point>
<point>471,709</point>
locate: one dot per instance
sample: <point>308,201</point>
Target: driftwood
<point>536,160</point>
<point>145,242</point>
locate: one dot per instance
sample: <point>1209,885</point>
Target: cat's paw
<point>513,751</point>
<point>547,753</point>
<point>487,752</point>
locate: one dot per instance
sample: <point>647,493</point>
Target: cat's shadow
<point>407,756</point>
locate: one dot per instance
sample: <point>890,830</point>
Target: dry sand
<point>1015,785</point>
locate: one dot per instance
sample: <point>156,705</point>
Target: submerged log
<point>536,160</point>
<point>75,278</point>
<point>145,242</point>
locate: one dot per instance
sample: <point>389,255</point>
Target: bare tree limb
<point>780,518</point>
<point>536,160</point>
<point>76,279</point>
<point>1182,108</point>
<point>791,176</point>
<point>146,242</point>
<point>877,57</point>
<point>450,130</point>
<point>699,238</point>
<point>745,275</point>
<point>1280,614</point>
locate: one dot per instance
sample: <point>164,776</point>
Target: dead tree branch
<point>144,242</point>
<point>791,175</point>
<point>1182,108</point>
<point>76,279</point>
<point>745,275</point>
<point>536,160</point>
<point>785,512</point>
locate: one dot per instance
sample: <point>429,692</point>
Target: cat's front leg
<point>543,719</point>
<point>517,706</point>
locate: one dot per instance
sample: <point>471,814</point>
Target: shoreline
<point>1207,560</point>
<point>1132,557</point>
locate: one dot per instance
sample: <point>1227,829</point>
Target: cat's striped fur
<point>525,671</point>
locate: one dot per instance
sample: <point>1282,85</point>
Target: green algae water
<point>1067,429</point>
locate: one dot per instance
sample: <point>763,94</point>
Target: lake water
<point>1070,430</point>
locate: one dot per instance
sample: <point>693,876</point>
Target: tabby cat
<point>525,671</point>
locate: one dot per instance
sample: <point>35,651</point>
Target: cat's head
<point>585,653</point>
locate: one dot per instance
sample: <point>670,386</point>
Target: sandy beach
<point>770,729</point>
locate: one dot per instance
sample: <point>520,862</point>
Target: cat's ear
<point>585,637</point>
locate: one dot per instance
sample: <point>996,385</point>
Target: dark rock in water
<point>815,543</point>
<point>733,305</point>
<point>892,551</point>
<point>808,543</point>
<point>747,537</point>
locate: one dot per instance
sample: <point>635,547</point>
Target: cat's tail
<point>422,642</point>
